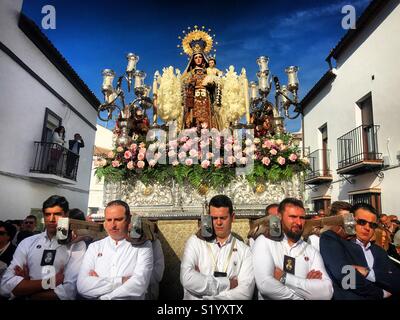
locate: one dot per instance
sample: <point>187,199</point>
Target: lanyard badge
<point>289,264</point>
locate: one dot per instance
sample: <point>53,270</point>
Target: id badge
<point>218,274</point>
<point>48,257</point>
<point>289,264</point>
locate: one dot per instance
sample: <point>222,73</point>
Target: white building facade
<point>103,144</point>
<point>40,91</point>
<point>351,118</point>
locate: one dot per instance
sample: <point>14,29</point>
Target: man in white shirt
<point>114,268</point>
<point>41,267</point>
<point>290,269</point>
<point>219,268</point>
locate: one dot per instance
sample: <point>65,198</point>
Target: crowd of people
<point>217,265</point>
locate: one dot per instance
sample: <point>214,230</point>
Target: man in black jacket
<point>359,269</point>
<point>72,158</point>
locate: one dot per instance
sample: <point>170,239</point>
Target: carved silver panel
<point>185,202</point>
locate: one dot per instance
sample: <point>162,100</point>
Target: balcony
<point>54,163</point>
<point>320,169</point>
<point>358,150</point>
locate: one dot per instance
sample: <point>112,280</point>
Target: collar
<point>225,243</point>
<point>116,244</point>
<point>286,241</point>
<point>45,236</point>
<point>368,246</point>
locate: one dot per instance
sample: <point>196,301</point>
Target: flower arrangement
<point>209,160</point>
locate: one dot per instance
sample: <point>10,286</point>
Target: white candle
<point>263,63</point>
<point>138,81</point>
<point>263,80</point>
<point>108,78</point>
<point>253,89</point>
<point>293,82</point>
<point>132,60</point>
<point>246,99</point>
<point>155,84</point>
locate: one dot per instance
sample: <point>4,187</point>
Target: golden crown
<point>197,41</point>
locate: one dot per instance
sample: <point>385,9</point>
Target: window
<point>321,203</point>
<point>51,121</point>
<point>370,196</point>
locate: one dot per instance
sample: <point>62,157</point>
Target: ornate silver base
<point>185,202</point>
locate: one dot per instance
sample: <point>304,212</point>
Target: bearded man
<point>290,269</point>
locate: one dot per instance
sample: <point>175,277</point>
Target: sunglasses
<point>362,222</point>
<point>3,233</point>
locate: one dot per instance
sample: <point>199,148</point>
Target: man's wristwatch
<point>283,278</point>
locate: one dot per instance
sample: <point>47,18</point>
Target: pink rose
<point>140,164</point>
<point>281,161</point>
<point>133,146</point>
<point>266,161</point>
<point>283,147</point>
<point>205,164</point>
<point>152,162</point>
<point>127,155</point>
<point>182,155</point>
<point>231,160</point>
<point>130,165</point>
<point>228,147</point>
<point>189,162</point>
<point>120,149</point>
<point>186,147</point>
<point>218,162</point>
<point>273,152</point>
<point>293,157</point>
<point>183,139</point>
<point>173,144</point>
<point>115,163</point>
<point>110,155</point>
<point>141,156</point>
<point>171,153</point>
<point>193,153</point>
<point>267,144</point>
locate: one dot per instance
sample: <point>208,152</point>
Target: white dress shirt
<point>370,259</point>
<point>111,261</point>
<point>212,256</point>
<point>30,251</point>
<point>268,254</point>
<point>158,271</point>
<point>314,241</point>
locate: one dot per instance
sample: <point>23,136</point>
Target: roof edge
<point>32,31</point>
<point>327,78</point>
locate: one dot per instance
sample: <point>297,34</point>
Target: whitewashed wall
<point>374,53</point>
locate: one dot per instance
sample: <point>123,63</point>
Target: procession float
<point>197,133</point>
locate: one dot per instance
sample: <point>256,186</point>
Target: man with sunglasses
<point>359,269</point>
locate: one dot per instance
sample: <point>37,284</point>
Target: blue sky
<point>94,35</point>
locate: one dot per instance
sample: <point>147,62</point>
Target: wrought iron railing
<point>319,164</point>
<point>52,158</point>
<point>357,145</point>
